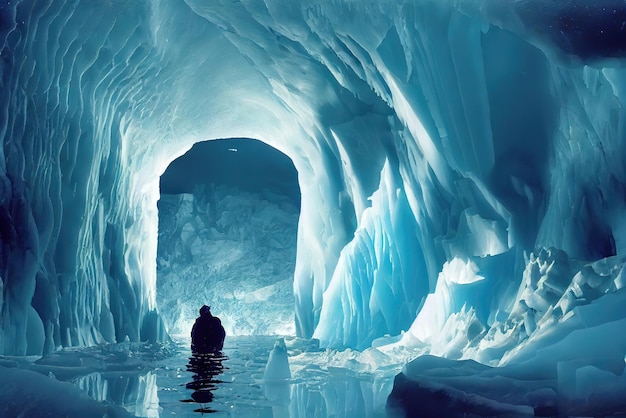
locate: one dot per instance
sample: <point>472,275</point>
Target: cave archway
<point>228,219</point>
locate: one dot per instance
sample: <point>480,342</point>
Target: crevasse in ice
<point>461,165</point>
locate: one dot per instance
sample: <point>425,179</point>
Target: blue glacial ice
<point>460,163</point>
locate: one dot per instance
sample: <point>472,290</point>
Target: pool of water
<point>323,384</point>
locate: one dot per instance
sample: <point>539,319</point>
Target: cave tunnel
<point>461,177</point>
<point>228,215</point>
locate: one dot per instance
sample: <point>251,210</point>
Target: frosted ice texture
<point>438,144</point>
<point>233,250</point>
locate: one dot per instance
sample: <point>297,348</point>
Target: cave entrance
<point>228,219</point>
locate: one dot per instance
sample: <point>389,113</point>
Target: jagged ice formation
<point>437,144</point>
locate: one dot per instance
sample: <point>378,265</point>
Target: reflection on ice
<point>206,369</point>
<point>137,393</point>
<point>257,376</point>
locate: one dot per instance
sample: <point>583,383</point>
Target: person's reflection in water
<point>206,368</point>
<point>207,341</point>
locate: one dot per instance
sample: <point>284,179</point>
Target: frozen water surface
<point>155,380</point>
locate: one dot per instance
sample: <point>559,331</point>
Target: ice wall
<point>68,270</point>
<point>422,131</point>
<point>233,250</point>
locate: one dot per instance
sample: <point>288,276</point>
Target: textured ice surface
<point>232,250</point>
<point>484,155</point>
<point>438,144</point>
<point>559,350</point>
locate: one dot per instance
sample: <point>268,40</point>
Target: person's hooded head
<point>205,310</point>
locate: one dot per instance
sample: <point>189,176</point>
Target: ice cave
<point>458,217</point>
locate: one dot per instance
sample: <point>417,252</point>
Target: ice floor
<point>157,381</point>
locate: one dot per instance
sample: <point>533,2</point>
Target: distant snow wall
<point>421,132</point>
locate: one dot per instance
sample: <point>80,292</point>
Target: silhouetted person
<point>207,334</point>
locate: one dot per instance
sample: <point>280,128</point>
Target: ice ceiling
<point>437,144</point>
